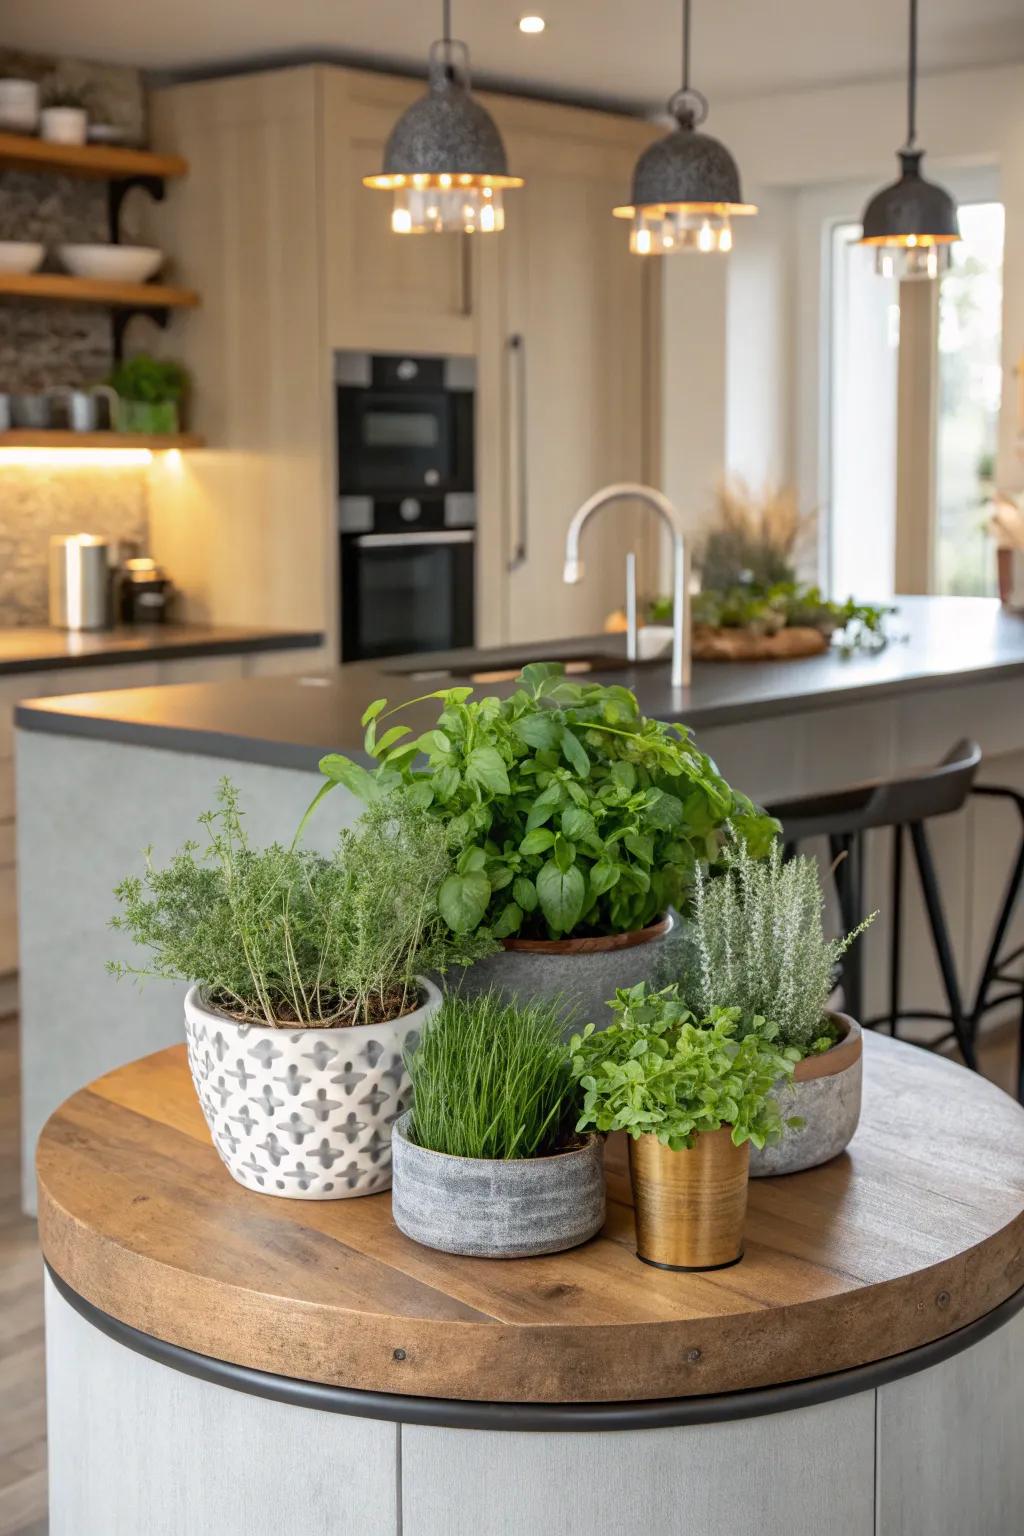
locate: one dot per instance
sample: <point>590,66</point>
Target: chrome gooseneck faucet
<point>573,570</point>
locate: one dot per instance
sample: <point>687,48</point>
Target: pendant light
<point>444,160</point>
<point>686,186</point>
<point>912,223</point>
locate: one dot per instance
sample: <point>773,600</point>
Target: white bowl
<point>21,255</point>
<point>112,263</point>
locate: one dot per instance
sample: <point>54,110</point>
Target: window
<point>970,387</point>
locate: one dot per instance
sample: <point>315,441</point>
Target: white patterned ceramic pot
<point>825,1092</point>
<point>305,1113</point>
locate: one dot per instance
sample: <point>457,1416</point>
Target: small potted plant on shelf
<point>755,943</point>
<point>149,394</point>
<point>693,1096</point>
<point>64,118</point>
<point>580,825</point>
<point>487,1162</point>
<point>308,987</point>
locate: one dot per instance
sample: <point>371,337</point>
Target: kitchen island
<point>213,1352</point>
<point>103,776</point>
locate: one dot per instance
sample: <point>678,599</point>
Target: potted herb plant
<point>579,824</point>
<point>149,394</point>
<point>693,1096</point>
<point>64,118</point>
<point>487,1162</point>
<point>755,943</point>
<point>308,987</point>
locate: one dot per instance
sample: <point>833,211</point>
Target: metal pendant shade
<point>686,186</point>
<point>912,223</point>
<point>444,159</point>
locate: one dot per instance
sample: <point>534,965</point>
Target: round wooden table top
<point>913,1233</point>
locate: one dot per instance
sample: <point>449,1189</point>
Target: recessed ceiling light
<point>531,23</point>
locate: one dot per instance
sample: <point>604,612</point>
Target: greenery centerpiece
<point>692,1092</point>
<point>756,945</point>
<point>309,981</point>
<point>578,824</point>
<point>150,391</point>
<point>488,1161</point>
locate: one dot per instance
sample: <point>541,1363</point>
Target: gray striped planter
<point>497,1209</point>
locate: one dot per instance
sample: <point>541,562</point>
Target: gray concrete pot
<point>494,1209</point>
<point>825,1092</point>
<point>585,973</point>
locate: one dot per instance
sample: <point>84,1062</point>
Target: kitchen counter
<point>875,1312</point>
<point>41,649</point>
<point>291,722</point>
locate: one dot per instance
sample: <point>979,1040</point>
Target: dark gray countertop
<point>47,650</point>
<point>292,721</point>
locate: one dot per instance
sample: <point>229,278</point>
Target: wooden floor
<point>22,1375</point>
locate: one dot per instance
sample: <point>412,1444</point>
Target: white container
<point>64,125</point>
<point>21,255</point>
<point>19,105</point>
<point>304,1113</point>
<point>111,263</point>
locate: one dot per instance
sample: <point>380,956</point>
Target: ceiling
<point>603,50</point>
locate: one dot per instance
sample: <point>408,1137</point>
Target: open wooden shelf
<point>51,437</point>
<point>94,290</point>
<point>100,162</point>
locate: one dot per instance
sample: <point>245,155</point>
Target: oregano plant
<point>570,812</point>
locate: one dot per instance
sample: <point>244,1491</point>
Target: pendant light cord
<point>911,79</point>
<point>686,45</point>
<point>446,21</point>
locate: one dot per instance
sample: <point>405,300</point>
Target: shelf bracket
<point>118,190</point>
<point>160,314</point>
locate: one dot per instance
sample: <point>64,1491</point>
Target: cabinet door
<point>385,292</point>
<point>566,377</point>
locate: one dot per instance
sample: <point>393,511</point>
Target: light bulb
<point>533,24</point>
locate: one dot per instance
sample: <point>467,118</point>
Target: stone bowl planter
<point>305,1113</point>
<point>495,1209</point>
<point>825,1091</point>
<point>585,973</point>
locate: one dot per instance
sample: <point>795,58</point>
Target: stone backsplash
<point>38,500</point>
<point>46,344</point>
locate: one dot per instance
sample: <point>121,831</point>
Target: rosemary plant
<point>491,1080</point>
<point>756,943</point>
<point>283,936</point>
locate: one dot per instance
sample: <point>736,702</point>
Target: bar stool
<point>997,961</point>
<point>904,805</point>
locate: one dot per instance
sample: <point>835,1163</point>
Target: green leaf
<point>539,731</point>
<point>578,824</point>
<point>462,900</point>
<point>574,753</point>
<point>624,775</point>
<point>486,769</point>
<point>537,673</point>
<point>565,853</point>
<point>395,733</point>
<point>603,875</point>
<point>372,711</point>
<point>342,770</point>
<point>446,781</point>
<point>508,922</point>
<point>525,893</point>
<point>561,894</point>
<point>421,794</point>
<point>470,860</point>
<point>537,841</point>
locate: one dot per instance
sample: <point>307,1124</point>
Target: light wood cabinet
<point>383,292</point>
<point>567,374</point>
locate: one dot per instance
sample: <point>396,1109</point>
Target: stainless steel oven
<point>406,504</point>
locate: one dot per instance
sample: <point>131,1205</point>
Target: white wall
<point>769,309</point>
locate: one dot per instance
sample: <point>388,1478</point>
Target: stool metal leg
<point>940,939</point>
<point>896,930</point>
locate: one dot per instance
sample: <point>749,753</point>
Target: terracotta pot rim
<point>195,998</point>
<point>839,1057</point>
<point>601,944</point>
<point>588,1138</point>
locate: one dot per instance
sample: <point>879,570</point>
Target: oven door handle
<point>404,540</point>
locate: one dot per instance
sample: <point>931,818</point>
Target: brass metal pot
<point>690,1205</point>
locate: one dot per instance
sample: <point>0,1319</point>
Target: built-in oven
<point>406,504</point>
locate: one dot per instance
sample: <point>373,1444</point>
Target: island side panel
<point>764,1474</point>
<point>86,811</point>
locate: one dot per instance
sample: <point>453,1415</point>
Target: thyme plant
<point>283,936</point>
<point>491,1080</point>
<point>756,944</point>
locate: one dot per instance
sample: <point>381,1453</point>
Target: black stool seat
<point>904,805</point>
